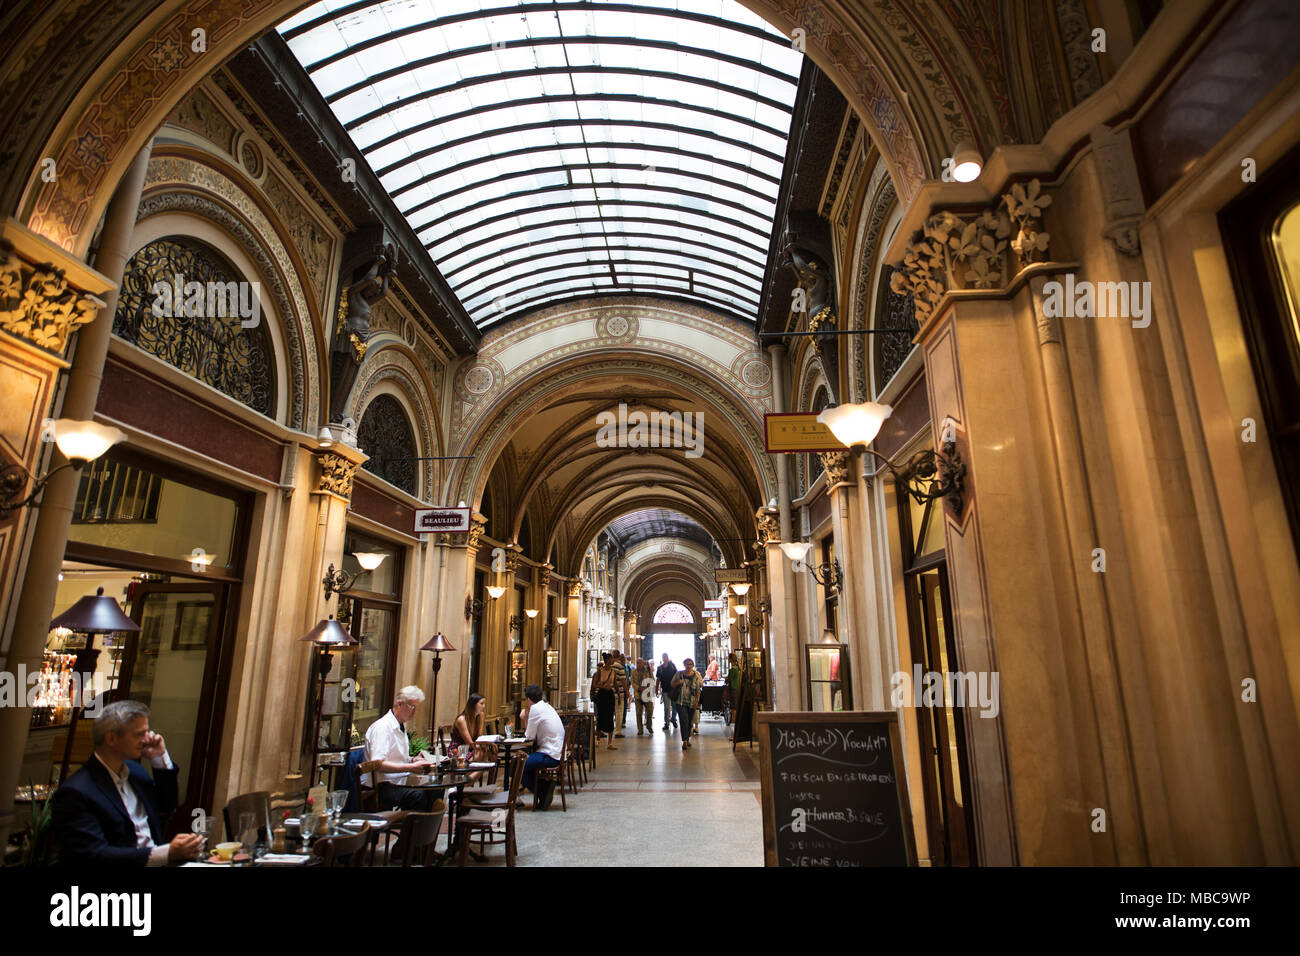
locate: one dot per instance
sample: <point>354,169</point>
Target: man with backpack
<point>664,675</point>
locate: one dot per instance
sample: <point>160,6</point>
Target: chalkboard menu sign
<point>834,790</point>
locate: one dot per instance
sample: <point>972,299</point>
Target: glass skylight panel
<point>654,137</point>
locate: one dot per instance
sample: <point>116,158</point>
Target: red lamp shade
<point>329,633</point>
<point>437,644</point>
<point>95,614</point>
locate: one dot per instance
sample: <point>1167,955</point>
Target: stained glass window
<point>674,614</point>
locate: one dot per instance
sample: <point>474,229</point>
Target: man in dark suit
<point>110,812</point>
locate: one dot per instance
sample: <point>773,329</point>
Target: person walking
<point>689,683</point>
<point>664,675</point>
<point>643,686</point>
<point>620,691</point>
<point>733,684</point>
<point>602,692</point>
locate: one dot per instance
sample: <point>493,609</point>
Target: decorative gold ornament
<point>37,304</point>
<point>336,474</point>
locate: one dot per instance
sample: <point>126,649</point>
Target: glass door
<point>171,667</point>
<point>372,625</point>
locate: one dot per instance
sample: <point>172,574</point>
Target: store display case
<point>829,687</point>
<point>552,675</point>
<point>518,675</point>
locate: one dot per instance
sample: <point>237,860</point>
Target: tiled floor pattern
<point>649,803</point>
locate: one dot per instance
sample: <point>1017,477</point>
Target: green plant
<point>36,839</point>
<point>418,744</point>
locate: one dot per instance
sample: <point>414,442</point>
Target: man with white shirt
<point>111,811</point>
<point>386,740</point>
<point>546,730</point>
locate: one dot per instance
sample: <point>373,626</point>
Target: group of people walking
<point>615,684</point>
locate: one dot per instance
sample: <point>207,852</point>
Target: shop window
<point>371,609</point>
<point>385,435</point>
<point>204,334</point>
<point>1262,241</point>
<point>111,492</point>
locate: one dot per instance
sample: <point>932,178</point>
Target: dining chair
<point>258,803</point>
<point>557,773</point>
<point>368,794</point>
<point>485,823</point>
<point>419,834</point>
<point>349,851</point>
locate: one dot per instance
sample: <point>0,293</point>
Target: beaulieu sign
<point>428,520</point>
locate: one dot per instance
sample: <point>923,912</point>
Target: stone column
<point>52,293</point>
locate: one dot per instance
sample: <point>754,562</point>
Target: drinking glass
<point>340,799</point>
<point>203,829</point>
<point>307,827</point>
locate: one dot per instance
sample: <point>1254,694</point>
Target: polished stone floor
<point>648,803</point>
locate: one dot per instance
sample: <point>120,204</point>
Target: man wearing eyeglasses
<point>386,740</point>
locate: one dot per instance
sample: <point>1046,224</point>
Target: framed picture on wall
<point>191,631</point>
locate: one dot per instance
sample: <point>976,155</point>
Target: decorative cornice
<point>37,303</point>
<point>337,472</point>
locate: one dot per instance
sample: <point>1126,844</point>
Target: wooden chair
<point>368,796</point>
<point>258,803</point>
<point>481,822</point>
<point>334,851</point>
<point>419,834</point>
<point>557,773</point>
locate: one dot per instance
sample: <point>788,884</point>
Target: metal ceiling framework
<point>543,151</point>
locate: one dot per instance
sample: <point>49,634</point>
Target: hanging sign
<point>715,605</point>
<point>428,520</point>
<point>798,431</point>
<point>730,576</point>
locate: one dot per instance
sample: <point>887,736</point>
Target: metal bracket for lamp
<point>942,472</point>
<point>828,576</point>
<point>338,582</point>
<point>516,623</point>
<point>473,609</point>
<point>14,477</point>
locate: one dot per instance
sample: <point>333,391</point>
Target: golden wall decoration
<point>37,304</point>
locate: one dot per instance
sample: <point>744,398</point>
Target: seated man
<point>386,740</point>
<point>110,811</point>
<point>547,730</point>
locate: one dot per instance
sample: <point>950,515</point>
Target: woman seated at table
<point>469,727</point>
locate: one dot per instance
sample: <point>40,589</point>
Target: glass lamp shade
<point>797,550</point>
<point>369,560</point>
<point>85,441</point>
<point>95,614</point>
<point>741,610</point>
<point>966,163</point>
<point>531,612</point>
<point>329,633</point>
<point>495,592</point>
<point>855,424</point>
<point>740,589</point>
<point>437,644</point>
<point>561,620</point>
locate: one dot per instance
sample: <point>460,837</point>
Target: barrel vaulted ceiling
<point>544,151</point>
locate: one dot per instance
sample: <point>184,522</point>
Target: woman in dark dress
<point>602,692</point>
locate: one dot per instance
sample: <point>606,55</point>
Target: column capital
<point>836,464</point>
<point>338,467</point>
<point>477,525</point>
<point>45,292</point>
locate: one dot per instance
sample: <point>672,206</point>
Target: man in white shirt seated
<point>546,730</point>
<point>111,812</point>
<point>386,740</point>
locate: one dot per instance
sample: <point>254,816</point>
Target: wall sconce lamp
<point>827,575</point>
<point>495,591</point>
<point>340,582</point>
<point>561,620</point>
<point>966,163</point>
<point>927,474</point>
<point>741,589</point>
<point>531,612</point>
<point>80,442</point>
<point>473,609</point>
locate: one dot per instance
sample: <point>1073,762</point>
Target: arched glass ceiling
<point>543,151</point>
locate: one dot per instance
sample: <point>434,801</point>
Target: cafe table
<point>508,744</point>
<point>348,825</point>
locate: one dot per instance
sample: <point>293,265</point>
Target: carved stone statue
<point>368,283</point>
<point>806,251</point>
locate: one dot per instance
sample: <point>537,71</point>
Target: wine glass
<point>248,833</point>
<point>203,829</point>
<point>307,827</point>
<point>340,799</point>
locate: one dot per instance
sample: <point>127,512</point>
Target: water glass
<point>307,827</point>
<point>339,800</point>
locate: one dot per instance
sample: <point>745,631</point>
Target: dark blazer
<point>91,825</point>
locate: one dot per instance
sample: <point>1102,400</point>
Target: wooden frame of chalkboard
<point>838,804</point>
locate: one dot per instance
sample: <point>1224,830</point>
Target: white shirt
<point>546,728</point>
<point>135,806</point>
<point>387,741</point>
